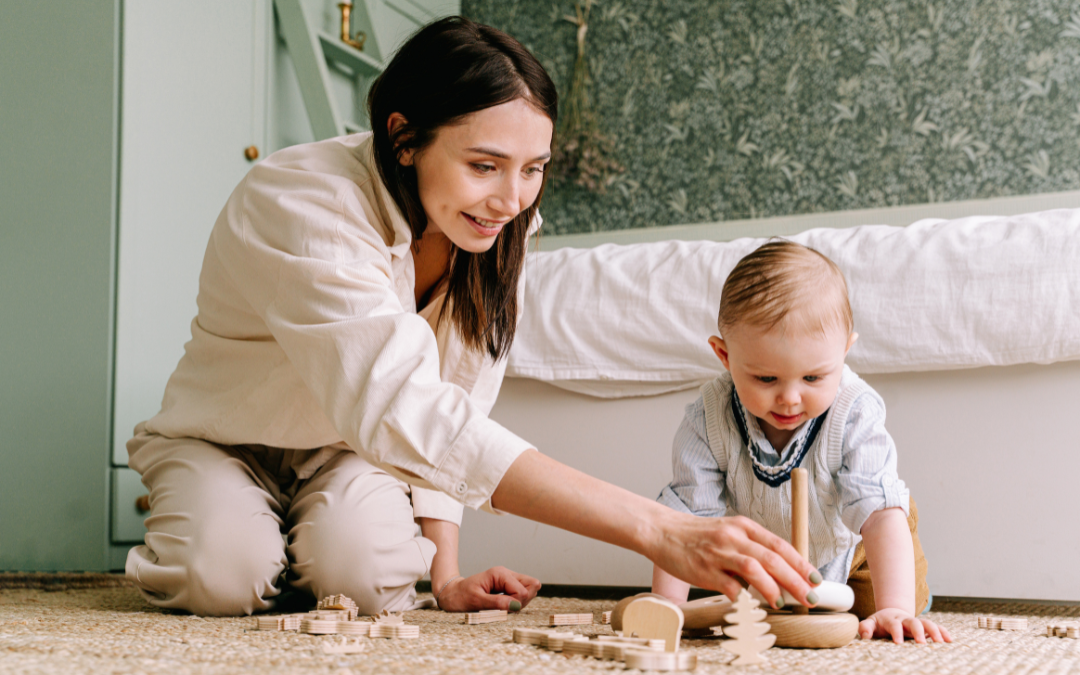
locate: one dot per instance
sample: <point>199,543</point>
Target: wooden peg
<point>800,524</point>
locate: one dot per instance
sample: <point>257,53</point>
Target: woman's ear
<point>719,348</point>
<point>394,123</point>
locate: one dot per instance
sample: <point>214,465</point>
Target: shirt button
<point>461,488</point>
<point>887,481</point>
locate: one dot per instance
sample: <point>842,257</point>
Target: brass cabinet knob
<point>252,153</point>
<point>143,503</point>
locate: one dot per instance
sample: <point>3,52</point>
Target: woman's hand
<point>897,623</point>
<point>707,552</point>
<point>711,552</point>
<point>497,588</point>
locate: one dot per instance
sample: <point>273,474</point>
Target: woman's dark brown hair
<point>446,71</point>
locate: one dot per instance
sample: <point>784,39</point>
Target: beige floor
<point>111,630</point>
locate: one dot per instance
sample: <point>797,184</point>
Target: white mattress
<point>633,320</point>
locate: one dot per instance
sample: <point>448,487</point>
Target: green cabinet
<point>125,126</point>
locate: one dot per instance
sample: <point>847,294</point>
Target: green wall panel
<point>57,203</point>
<point>729,109</point>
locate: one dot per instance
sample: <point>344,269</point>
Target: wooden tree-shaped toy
<point>748,628</point>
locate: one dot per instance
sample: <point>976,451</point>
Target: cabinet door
<point>193,99</point>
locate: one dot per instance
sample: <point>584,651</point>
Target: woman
<point>357,300</point>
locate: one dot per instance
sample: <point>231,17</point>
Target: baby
<point>787,400</point>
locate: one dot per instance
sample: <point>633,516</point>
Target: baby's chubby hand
<point>897,624</point>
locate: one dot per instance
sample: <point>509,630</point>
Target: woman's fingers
<point>773,561</point>
<point>506,581</point>
<point>787,553</point>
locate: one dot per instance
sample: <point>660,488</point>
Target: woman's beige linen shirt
<point>307,336</point>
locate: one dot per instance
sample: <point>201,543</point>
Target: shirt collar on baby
<point>770,466</point>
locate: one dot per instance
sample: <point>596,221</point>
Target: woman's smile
<point>487,228</point>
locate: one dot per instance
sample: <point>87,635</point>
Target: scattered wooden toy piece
<point>529,636</point>
<point>318,627</point>
<point>1063,629</point>
<point>389,625</point>
<point>392,630</point>
<point>605,618</point>
<point>485,616</point>
<point>280,622</point>
<point>647,659</point>
<point>336,602</point>
<point>339,602</point>
<point>354,627</point>
<point>654,618</point>
<point>748,630</point>
<point>611,647</point>
<point>343,647</point>
<point>570,619</point>
<point>999,623</point>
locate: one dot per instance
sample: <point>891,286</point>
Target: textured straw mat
<point>111,630</point>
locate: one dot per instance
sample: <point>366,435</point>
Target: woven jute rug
<point>110,629</point>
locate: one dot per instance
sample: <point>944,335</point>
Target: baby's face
<point>784,379</point>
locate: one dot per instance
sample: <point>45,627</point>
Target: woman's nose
<point>508,196</point>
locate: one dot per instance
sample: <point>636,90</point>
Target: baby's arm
<point>670,587</point>
<point>891,557</point>
<point>697,488</point>
<point>873,497</point>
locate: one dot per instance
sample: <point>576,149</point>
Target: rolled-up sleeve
<point>867,480</point>
<point>324,285</point>
<point>697,485</point>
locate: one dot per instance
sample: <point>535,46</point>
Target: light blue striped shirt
<point>866,482</point>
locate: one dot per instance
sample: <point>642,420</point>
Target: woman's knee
<point>367,548</point>
<point>233,569</point>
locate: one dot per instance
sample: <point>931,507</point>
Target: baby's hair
<point>785,282</point>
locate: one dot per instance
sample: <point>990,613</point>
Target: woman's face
<point>477,175</point>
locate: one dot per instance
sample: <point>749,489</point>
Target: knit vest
<point>768,506</point>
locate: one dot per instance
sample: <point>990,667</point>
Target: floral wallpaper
<point>730,109</point>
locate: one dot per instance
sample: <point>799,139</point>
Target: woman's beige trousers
<point>227,521</point>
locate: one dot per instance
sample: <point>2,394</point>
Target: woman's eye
<point>811,378</point>
<point>766,379</point>
<point>483,168</point>
<point>533,170</point>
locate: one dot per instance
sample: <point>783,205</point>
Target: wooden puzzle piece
<point>748,630</point>
<point>654,618</point>
<point>611,647</point>
<point>394,630</point>
<point>1063,629</point>
<point>570,619</point>
<point>485,616</point>
<point>1001,623</point>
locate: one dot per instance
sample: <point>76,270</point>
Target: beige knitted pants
<point>227,521</point>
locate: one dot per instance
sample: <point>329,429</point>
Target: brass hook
<point>361,37</point>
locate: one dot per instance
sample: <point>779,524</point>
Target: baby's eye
<point>766,379</point>
<point>483,168</point>
<point>811,378</point>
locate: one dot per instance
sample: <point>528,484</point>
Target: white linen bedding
<point>616,321</point>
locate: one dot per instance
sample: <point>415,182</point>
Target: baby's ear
<point>719,348</point>
<point>851,340</point>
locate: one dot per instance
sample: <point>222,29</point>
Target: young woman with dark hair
<point>357,300</point>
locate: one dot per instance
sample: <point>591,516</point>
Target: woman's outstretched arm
<point>706,552</point>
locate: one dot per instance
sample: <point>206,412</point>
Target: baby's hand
<point>898,623</point>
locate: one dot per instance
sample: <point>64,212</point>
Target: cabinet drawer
<point>127,518</point>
